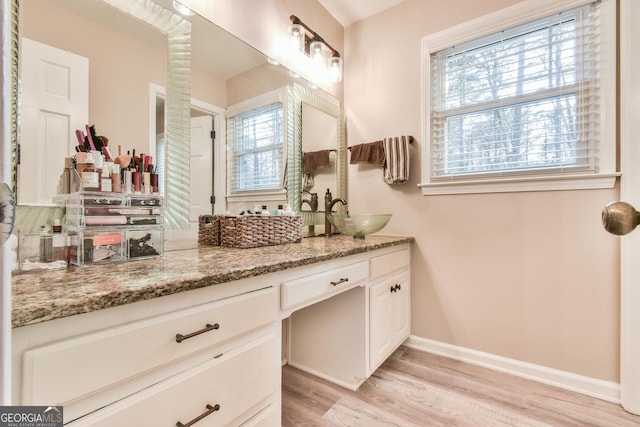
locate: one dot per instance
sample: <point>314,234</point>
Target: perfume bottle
<point>90,177</point>
<point>64,183</point>
<point>46,245</point>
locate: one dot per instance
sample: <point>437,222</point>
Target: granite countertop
<point>41,296</point>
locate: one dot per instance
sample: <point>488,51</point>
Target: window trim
<point>604,177</point>
<point>280,195</point>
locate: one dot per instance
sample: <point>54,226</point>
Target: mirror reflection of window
<point>256,140</point>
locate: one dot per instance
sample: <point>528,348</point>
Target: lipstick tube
<point>136,182</point>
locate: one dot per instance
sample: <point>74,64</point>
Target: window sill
<point>519,184</point>
<point>275,196</point>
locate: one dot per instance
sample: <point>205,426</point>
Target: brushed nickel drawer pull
<point>346,279</point>
<point>210,410</point>
<point>208,327</point>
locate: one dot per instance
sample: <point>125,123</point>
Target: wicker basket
<point>209,230</point>
<point>251,231</point>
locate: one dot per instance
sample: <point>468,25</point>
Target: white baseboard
<point>605,390</point>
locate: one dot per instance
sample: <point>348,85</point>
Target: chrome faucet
<point>329,202</point>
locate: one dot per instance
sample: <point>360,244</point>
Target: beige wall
<point>529,276</point>
<point>255,82</point>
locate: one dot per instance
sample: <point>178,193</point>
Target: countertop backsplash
<point>30,218</point>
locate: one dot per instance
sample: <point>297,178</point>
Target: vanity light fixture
<point>182,9</point>
<point>324,60</point>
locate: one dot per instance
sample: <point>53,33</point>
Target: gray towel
<point>396,168</point>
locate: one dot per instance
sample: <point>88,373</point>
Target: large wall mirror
<point>134,47</point>
<point>318,127</point>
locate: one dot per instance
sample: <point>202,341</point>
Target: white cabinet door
<point>389,317</point>
<point>401,309</point>
<point>381,300</point>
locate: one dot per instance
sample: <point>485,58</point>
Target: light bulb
<point>317,55</point>
<point>317,51</point>
<point>335,69</point>
<point>296,35</point>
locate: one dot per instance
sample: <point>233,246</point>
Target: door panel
<point>201,167</point>
<point>55,102</point>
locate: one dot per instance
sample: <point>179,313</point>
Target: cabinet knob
<point>395,288</point>
<point>208,327</point>
<point>210,410</point>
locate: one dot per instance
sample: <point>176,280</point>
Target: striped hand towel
<point>396,168</point>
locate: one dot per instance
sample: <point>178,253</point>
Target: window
<point>256,147</point>
<point>522,105</point>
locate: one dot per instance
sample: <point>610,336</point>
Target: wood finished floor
<point>415,388</point>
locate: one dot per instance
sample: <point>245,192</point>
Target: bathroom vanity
<point>196,337</point>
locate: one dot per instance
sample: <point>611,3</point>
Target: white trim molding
<point>605,390</point>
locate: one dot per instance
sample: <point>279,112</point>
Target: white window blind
<point>520,101</point>
<point>256,149</point>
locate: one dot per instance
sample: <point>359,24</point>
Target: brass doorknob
<point>620,218</point>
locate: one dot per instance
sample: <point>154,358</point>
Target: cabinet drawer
<point>298,291</point>
<point>72,368</point>
<point>271,417</point>
<point>235,382</point>
<point>385,264</point>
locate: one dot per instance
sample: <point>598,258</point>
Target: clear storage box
<point>112,227</point>
<point>144,243</point>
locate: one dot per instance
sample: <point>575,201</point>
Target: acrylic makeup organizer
<point>112,227</point>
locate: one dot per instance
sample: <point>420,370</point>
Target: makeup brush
<point>123,159</point>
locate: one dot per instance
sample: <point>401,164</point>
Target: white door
<point>630,192</point>
<point>201,176</point>
<point>55,102</point>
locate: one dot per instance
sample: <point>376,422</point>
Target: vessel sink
<point>360,225</point>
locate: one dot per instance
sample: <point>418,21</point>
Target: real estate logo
<point>30,416</point>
